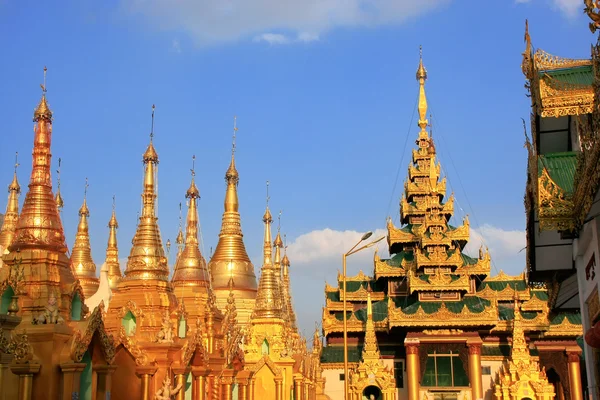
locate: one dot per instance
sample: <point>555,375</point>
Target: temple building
<point>562,200</point>
<point>136,334</point>
<point>431,322</point>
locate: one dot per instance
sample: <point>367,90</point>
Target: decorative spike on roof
<point>230,257</point>
<point>11,217</point>
<point>268,297</point>
<point>147,259</point>
<point>112,252</point>
<point>190,268</point>
<point>81,255</point>
<point>39,224</point>
<point>370,348</point>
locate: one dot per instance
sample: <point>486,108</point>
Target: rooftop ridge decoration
<point>545,61</point>
<point>502,276</point>
<point>147,257</point>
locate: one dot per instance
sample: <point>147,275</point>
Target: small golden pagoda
<point>230,259</point>
<point>82,263</point>
<point>111,260</point>
<point>11,217</point>
<point>441,321</point>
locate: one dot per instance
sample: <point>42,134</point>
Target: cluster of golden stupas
<point>208,332</point>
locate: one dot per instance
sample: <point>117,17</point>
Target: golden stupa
<point>143,336</point>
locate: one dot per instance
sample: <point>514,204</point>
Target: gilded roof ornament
<point>43,110</point>
<point>592,9</point>
<point>112,251</point>
<point>58,198</point>
<point>11,216</point>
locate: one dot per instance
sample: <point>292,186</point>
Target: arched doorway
<point>372,393</point>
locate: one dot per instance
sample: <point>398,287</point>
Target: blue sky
<point>324,93</point>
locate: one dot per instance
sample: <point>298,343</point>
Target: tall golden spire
<point>370,348</point>
<point>39,224</point>
<point>230,257</point>
<point>147,259</point>
<point>112,251</point>
<point>519,351</point>
<point>190,267</point>
<point>268,297</point>
<point>81,256</point>
<point>11,217</point>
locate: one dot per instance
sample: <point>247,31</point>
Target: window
<point>129,323</point>
<point>399,374</point>
<point>265,347</point>
<point>76,308</point>
<point>342,378</point>
<point>444,370</point>
<point>486,370</point>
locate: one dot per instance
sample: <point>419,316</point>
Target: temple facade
<point>66,333</point>
<point>431,322</point>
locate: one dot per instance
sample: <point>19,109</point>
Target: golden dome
<point>14,185</point>
<point>421,71</point>
<point>81,255</point>
<point>150,154</point>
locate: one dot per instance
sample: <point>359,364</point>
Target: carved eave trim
<point>137,312</point>
<point>266,361</point>
<point>460,234</point>
<point>482,267</point>
<point>195,343</point>
<point>555,207</point>
<point>361,295</point>
<point>382,269</point>
<point>396,235</point>
<point>334,305</point>
<point>545,61</point>
<point>81,341</point>
<point>329,288</point>
<point>131,345</point>
<point>564,329</point>
<point>534,304</point>
<point>412,188</point>
<point>506,294</point>
<point>338,365</point>
<point>503,277</point>
<point>436,284</point>
<point>360,277</point>
<point>455,260</point>
<point>442,318</point>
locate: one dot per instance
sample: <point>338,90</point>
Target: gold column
<point>180,379</point>
<point>412,370</point>
<point>278,388</point>
<point>475,371</point>
<point>345,321</point>
<point>575,375</point>
<point>243,380</point>
<point>145,373</point>
<point>226,384</point>
<point>251,389</point>
<point>297,387</point>
<point>71,373</point>
<point>306,389</point>
<point>25,373</point>
<point>199,385</point>
<point>561,391</point>
<point>104,380</point>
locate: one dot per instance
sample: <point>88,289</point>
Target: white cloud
<point>569,7</point>
<point>210,22</point>
<point>500,242</point>
<point>272,38</point>
<point>176,46</point>
<point>324,244</point>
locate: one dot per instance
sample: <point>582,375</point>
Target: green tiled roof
<point>561,168</point>
<point>574,318</point>
<point>353,286</point>
<point>574,76</point>
<point>467,260</point>
<point>507,313</point>
<point>498,286</point>
<point>540,294</point>
<point>335,354</point>
<point>473,303</point>
<point>396,260</point>
<point>333,296</point>
<point>380,312</point>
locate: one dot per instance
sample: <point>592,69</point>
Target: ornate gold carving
<point>437,282</point>
<point>506,294</point>
<point>592,9</point>
<point>51,313</point>
<point>95,324</point>
<point>20,348</point>
<point>565,328</point>
<point>140,356</point>
<point>545,61</point>
<point>167,391</point>
<point>442,332</point>
<point>442,317</point>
